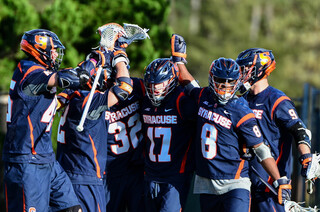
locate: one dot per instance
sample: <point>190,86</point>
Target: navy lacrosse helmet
<point>160,79</point>
<point>40,44</point>
<point>224,78</point>
<point>256,64</point>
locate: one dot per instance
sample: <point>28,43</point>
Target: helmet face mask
<point>56,60</point>
<point>224,79</point>
<point>44,46</point>
<point>160,80</point>
<point>225,88</point>
<point>248,76</point>
<point>157,92</point>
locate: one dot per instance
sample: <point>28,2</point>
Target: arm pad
<point>123,88</point>
<point>262,152</point>
<point>193,84</point>
<point>301,134</point>
<point>120,56</point>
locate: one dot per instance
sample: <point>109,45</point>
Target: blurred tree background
<point>211,28</point>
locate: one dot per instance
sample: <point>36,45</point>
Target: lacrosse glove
<point>72,78</point>
<point>283,185</point>
<point>178,49</point>
<point>305,161</point>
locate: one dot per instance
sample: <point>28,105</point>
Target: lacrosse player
<point>225,125</point>
<point>168,126</point>
<point>277,118</point>
<point>125,171</point>
<point>33,178</point>
<point>125,162</point>
<point>83,154</point>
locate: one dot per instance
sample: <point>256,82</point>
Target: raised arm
<point>179,55</point>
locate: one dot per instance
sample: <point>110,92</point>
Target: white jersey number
<point>165,134</point>
<point>209,136</point>
<point>9,110</point>
<point>122,137</point>
<point>61,133</point>
<point>48,115</point>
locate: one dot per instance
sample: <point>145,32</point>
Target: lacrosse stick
<point>273,190</point>
<point>132,33</point>
<point>290,206</point>
<point>109,34</point>
<point>86,108</point>
<point>313,172</point>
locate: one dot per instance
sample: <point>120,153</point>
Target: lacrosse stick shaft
<point>309,186</point>
<point>264,182</point>
<point>86,108</point>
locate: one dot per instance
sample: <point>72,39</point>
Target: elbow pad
<point>123,88</point>
<point>120,56</point>
<point>301,134</point>
<point>262,152</point>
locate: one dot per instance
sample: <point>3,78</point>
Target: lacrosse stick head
<point>109,34</point>
<point>292,206</point>
<point>133,33</point>
<point>314,170</point>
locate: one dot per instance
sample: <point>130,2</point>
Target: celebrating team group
<point>144,140</point>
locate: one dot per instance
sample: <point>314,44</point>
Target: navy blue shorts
<point>91,197</point>
<point>166,197</point>
<point>125,193</point>
<point>234,200</point>
<point>265,202</point>
<point>37,187</point>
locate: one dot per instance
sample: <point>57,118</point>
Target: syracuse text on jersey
<point>126,111</point>
<point>217,118</point>
<point>160,119</point>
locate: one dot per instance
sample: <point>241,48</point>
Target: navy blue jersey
<point>124,133</point>
<point>275,114</point>
<point>31,109</point>
<point>222,130</point>
<point>168,131</point>
<point>83,155</point>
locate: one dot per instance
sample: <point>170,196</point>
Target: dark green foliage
<point>76,24</point>
<point>16,16</point>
